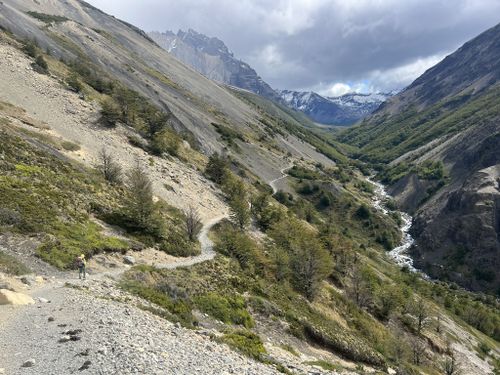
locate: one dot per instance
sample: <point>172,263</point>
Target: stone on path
<point>129,260</point>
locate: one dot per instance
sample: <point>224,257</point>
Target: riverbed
<point>400,253</point>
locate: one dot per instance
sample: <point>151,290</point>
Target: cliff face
<point>447,121</point>
<point>212,58</point>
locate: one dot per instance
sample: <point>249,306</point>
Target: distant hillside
<point>441,138</point>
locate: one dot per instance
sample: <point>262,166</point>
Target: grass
<point>70,146</point>
<point>11,266</point>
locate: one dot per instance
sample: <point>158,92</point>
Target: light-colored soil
<point>75,120</point>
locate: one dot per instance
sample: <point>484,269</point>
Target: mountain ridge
<point>440,136</point>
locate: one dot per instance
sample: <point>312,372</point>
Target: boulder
<point>8,297</point>
<point>127,259</point>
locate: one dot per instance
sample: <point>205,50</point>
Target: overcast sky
<point>329,46</point>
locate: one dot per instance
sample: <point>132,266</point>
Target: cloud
<point>321,44</point>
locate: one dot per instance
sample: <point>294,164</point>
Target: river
<point>400,253</point>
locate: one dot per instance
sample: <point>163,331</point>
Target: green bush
<point>246,342</point>
<point>227,309</point>
<point>74,83</point>
<point>110,113</point>
<point>165,141</point>
<point>74,239</point>
<point>180,308</point>
<point>40,65</point>
<point>179,245</point>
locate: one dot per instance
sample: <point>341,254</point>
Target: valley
<point>226,233</point>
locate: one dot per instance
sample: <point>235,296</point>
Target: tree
<point>236,191</point>
<point>192,222</point>
<point>140,204</point>
<point>418,349</point>
<point>240,211</point>
<point>111,170</point>
<point>450,365</point>
<point>310,264</point>
<point>362,285</point>
<point>110,113</point>
<point>420,310</point>
<point>216,168</point>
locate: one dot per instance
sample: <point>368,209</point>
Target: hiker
<point>82,265</point>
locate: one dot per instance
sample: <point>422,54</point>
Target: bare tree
<point>192,222</point>
<point>108,166</point>
<point>418,349</point>
<point>450,365</point>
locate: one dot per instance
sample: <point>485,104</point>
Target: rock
<point>29,363</point>
<point>51,319</point>
<point>8,297</point>
<point>64,339</point>
<point>43,300</point>
<point>128,259</point>
<point>103,351</point>
<point>85,365</point>
<point>28,280</point>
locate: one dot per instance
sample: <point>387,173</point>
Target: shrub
<point>179,245</point>
<point>30,48</point>
<point>217,168</point>
<point>227,309</point>
<point>40,65</point>
<point>179,308</point>
<point>11,266</point>
<point>236,244</point>
<point>74,83</point>
<point>110,169</point>
<point>110,113</point>
<point>246,342</point>
<point>165,141</point>
<point>363,212</point>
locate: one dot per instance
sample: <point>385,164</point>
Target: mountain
<point>441,140</point>
<point>222,232</point>
<point>212,58</point>
<point>342,110</point>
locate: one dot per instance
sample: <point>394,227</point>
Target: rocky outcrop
<point>462,241</point>
<point>212,58</point>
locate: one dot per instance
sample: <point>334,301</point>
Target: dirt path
<point>283,176</point>
<point>207,251</point>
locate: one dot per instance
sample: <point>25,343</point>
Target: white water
<point>400,253</point>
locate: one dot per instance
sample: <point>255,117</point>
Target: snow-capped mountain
<point>211,57</point>
<point>341,110</point>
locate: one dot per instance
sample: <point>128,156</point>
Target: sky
<point>328,46</point>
